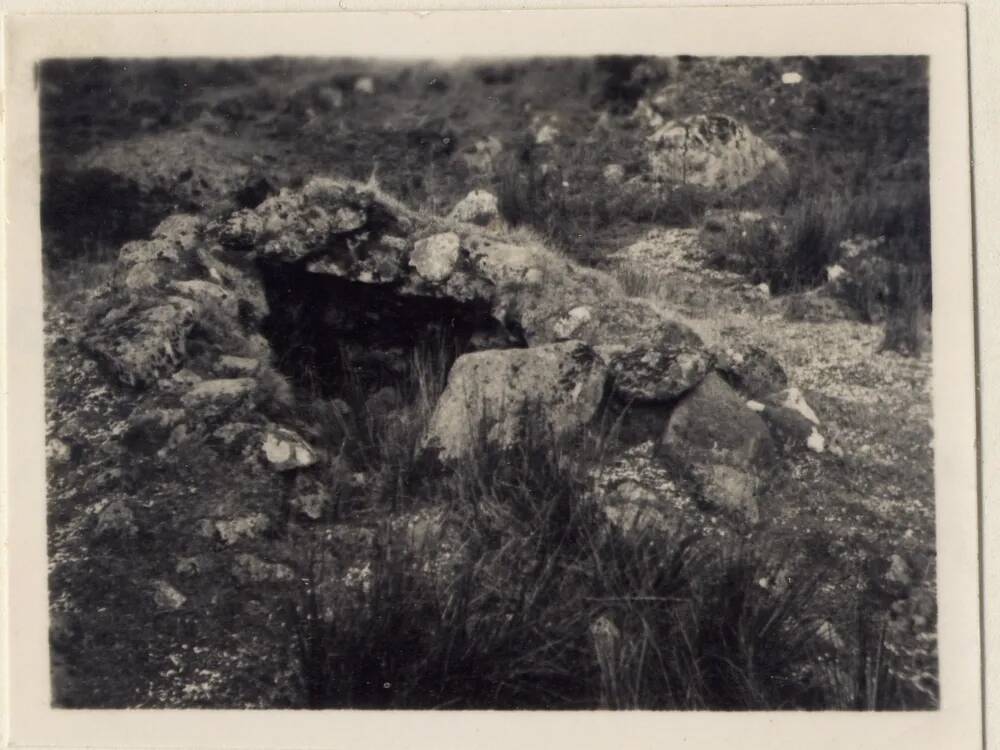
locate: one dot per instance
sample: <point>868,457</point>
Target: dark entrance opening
<point>325,330</point>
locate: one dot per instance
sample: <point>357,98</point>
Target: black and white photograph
<point>520,383</point>
<point>507,382</point>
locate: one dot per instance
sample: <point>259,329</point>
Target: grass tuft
<point>522,594</point>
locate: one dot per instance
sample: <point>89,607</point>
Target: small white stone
<point>166,596</point>
<point>57,451</point>
<point>285,451</point>
<point>816,442</point>
<point>277,451</point>
<point>756,406</point>
<point>546,134</point>
<point>835,272</point>
<point>434,258</point>
<point>791,78</point>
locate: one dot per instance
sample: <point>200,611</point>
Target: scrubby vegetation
<point>568,201</point>
<point>536,600</point>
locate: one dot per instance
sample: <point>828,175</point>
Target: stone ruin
<point>337,277</point>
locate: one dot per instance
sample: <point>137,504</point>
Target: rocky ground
<point>871,489</point>
<point>287,425</point>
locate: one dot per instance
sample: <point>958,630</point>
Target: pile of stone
<point>549,344</point>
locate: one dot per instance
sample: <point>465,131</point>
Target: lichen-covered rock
<point>749,369</point>
<point>163,290</point>
<point>724,446</point>
<point>142,346</point>
<point>240,280</point>
<point>233,530</point>
<point>146,265</point>
<point>248,569</point>
<point>208,293</point>
<point>713,151</point>
<point>792,421</point>
<point>182,230</point>
<point>116,519</point>
<point>478,207</point>
<point>57,451</point>
<point>218,394</point>
<point>542,295</point>
<point>434,257</point>
<point>634,508</point>
<point>369,260</point>
<point>504,397</point>
<point>148,429</point>
<point>647,374</point>
<point>295,224</point>
<point>285,450</point>
<point>166,596</point>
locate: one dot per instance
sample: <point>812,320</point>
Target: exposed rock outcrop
<point>750,370</point>
<point>496,399</point>
<point>712,151</point>
<point>722,444</point>
<point>478,207</point>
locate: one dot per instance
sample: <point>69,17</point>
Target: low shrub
<point>638,281</point>
<point>571,204</point>
<point>906,320</point>
<point>892,282</point>
<point>815,229</point>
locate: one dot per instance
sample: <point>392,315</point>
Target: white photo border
<point>934,30</point>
